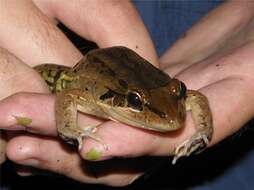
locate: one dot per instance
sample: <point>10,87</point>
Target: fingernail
<point>34,172</point>
<point>24,171</point>
<point>24,174</point>
<point>23,120</point>
<point>93,154</point>
<point>134,178</point>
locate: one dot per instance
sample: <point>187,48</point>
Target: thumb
<point>120,140</point>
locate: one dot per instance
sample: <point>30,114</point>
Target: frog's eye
<point>182,90</point>
<point>134,101</point>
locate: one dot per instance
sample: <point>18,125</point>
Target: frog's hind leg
<point>198,104</point>
<point>66,120</point>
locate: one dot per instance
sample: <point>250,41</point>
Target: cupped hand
<point>15,77</point>
<point>215,56</point>
<point>29,36</point>
<point>219,64</point>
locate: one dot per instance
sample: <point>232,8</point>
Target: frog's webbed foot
<point>196,143</point>
<point>66,120</point>
<point>78,135</point>
<point>198,104</point>
<point>89,132</point>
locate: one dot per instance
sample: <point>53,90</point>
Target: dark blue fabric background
<point>226,166</point>
<point>167,20</point>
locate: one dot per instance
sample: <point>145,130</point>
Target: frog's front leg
<point>66,107</point>
<point>198,104</point>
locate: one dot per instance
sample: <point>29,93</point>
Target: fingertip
<point>117,140</point>
<point>33,112</point>
<point>20,148</point>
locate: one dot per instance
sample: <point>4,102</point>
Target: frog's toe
<point>97,139</point>
<point>196,143</point>
<point>89,132</point>
<point>80,143</point>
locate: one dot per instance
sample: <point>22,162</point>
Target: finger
<point>16,76</point>
<point>34,152</point>
<point>191,48</point>
<point>229,114</point>
<point>25,29</point>
<point>128,141</point>
<point>38,108</point>
<point>108,23</point>
<point>30,106</point>
<point>236,64</point>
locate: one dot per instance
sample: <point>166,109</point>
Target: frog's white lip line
<point>116,116</point>
<point>143,124</point>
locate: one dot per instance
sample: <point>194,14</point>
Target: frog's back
<point>51,74</point>
<point>125,65</point>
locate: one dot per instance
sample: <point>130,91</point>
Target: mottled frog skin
<point>117,84</point>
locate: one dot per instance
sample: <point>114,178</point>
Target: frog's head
<point>160,109</point>
<point>131,90</point>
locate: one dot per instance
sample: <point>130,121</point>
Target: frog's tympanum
<point>116,83</point>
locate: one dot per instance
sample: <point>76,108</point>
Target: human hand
<point>196,66</point>
<point>215,56</point>
<point>28,30</point>
<point>15,77</point>
<point>222,66</point>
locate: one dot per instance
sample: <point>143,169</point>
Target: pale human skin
<point>38,32</point>
<point>28,31</point>
<point>219,64</point>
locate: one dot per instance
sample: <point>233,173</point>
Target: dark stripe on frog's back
<point>123,63</point>
<point>51,73</point>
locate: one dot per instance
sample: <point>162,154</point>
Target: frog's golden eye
<point>134,101</point>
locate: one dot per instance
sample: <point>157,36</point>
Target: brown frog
<point>116,83</point>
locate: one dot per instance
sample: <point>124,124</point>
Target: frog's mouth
<point>124,115</point>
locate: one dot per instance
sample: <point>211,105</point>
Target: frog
<point>116,83</point>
